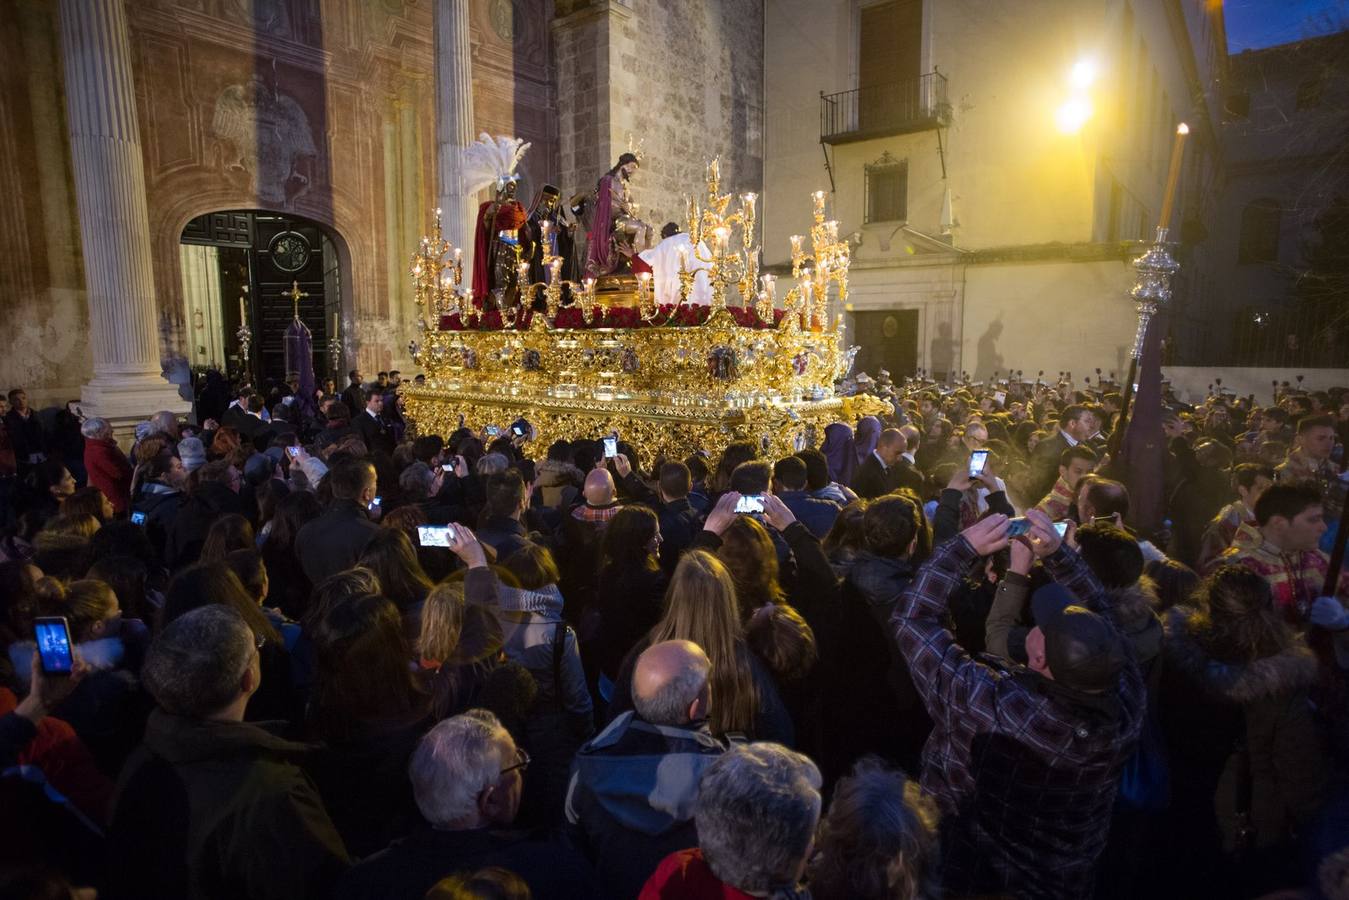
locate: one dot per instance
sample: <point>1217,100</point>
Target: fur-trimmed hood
<point>1131,609</point>
<point>556,473</point>
<point>1292,669</point>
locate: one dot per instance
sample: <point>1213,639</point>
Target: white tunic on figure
<point>664,262</point>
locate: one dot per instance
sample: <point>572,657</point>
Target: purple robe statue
<point>299,345</point>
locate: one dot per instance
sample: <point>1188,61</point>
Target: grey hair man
<point>209,799</point>
<point>467,775</point>
<point>757,809</point>
<point>633,787</point>
<point>95,428</point>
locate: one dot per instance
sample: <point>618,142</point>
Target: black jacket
<point>198,513</point>
<point>335,540</point>
<point>872,479</point>
<point>407,869</point>
<point>219,809</point>
<point>376,435</point>
<point>160,504</point>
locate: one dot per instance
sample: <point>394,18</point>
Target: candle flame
<point>1182,128</point>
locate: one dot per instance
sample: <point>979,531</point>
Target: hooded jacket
<point>219,809</point>
<point>1208,705</point>
<point>631,796</point>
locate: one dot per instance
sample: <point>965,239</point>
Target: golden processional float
<point>670,378</point>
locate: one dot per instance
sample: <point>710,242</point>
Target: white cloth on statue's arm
<point>664,262</point>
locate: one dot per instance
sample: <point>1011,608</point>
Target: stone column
<point>454,124</point>
<point>105,151</point>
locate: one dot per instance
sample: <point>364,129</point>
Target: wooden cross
<point>295,294</point>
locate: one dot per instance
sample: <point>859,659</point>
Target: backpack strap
<point>559,646</point>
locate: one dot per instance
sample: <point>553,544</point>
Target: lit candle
<point>714,170</point>
<point>748,200</point>
<point>819,202</point>
<point>683,259</point>
<point>523,269</point>
<point>645,278</point>
<point>1173,176</point>
<point>590,286</point>
<point>831,229</point>
<point>243,315</point>
<point>721,238</point>
<point>796,245</point>
<point>437,212</point>
<point>555,269</point>
<point>458,254</point>
<point>770,285</point>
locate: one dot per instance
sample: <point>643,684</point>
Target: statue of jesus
<point>616,232</point>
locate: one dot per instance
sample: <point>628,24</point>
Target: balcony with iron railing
<point>881,110</point>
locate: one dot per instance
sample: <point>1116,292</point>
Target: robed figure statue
<point>498,231</point>
<point>616,231</point>
<point>491,162</point>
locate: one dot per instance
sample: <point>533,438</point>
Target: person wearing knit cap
<point>193,453</point>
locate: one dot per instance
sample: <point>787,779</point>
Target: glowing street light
<point>1073,114</point>
<point>1083,74</point>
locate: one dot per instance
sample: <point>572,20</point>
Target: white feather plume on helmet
<point>490,161</point>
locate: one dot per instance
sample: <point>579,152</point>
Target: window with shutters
<point>887,190</point>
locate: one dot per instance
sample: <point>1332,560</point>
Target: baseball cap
<point>1082,649</point>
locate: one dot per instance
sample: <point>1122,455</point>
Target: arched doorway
<point>240,265</point>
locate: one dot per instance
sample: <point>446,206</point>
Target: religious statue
<point>676,250</point>
<point>496,241</point>
<point>548,233</point>
<point>616,232</point>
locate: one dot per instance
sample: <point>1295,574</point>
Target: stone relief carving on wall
<point>266,137</point>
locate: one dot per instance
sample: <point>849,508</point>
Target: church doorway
<point>888,340</point>
<point>245,266</point>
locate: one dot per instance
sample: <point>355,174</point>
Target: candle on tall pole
<point>1173,175</point>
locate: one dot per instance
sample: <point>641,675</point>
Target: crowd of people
<point>931,654</point>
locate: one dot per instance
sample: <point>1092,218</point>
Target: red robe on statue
<point>510,215</point>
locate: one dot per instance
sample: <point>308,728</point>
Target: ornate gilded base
<point>674,431</point>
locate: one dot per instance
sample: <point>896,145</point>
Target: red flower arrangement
<point>616,317</point>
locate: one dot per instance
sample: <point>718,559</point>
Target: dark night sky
<point>1252,24</point>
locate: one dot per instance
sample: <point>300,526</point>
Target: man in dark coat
<point>159,498</point>
<point>789,484</point>
<point>216,495</point>
<point>209,806</point>
<point>335,540</point>
<point>881,472</point>
<point>370,424</point>
<point>659,751</point>
<point>467,777</point>
<point>354,394</point>
<point>25,431</point>
<point>1076,425</point>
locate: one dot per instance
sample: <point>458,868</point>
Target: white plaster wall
<point>1059,316</point>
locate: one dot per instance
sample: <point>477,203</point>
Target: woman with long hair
<point>89,501</point>
<point>628,593</point>
<point>749,555</point>
<point>290,587</point>
<point>202,584</point>
<point>393,559</point>
<point>700,606</point>
<point>228,533</point>
<point>369,711</point>
<point>1234,698</point>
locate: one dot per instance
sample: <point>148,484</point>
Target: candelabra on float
<point>437,277</point>
<point>828,262</point>
<point>726,268</point>
<point>335,350</point>
<point>582,294</point>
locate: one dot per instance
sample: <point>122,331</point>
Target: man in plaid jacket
<point>1023,761</point>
